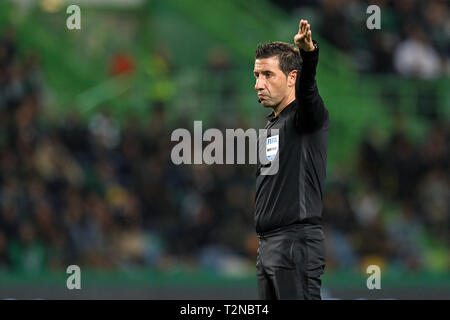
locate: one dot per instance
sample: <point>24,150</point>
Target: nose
<point>259,85</point>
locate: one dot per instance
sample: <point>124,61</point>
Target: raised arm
<point>311,112</point>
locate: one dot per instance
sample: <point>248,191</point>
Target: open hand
<point>303,38</point>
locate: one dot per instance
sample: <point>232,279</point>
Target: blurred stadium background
<point>86,117</point>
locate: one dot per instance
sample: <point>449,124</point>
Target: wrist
<point>314,46</point>
<point>309,48</point>
<point>310,54</point>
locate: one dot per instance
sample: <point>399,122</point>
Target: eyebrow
<point>263,72</point>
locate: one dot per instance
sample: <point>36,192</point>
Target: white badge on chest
<point>272,147</point>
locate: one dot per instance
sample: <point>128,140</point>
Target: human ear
<point>292,77</point>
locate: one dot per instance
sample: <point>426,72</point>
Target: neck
<point>284,103</point>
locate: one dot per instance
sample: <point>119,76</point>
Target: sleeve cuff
<point>310,55</point>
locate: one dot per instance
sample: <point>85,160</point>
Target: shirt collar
<point>271,116</point>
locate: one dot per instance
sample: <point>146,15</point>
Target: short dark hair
<point>288,56</point>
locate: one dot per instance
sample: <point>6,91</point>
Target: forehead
<point>263,64</point>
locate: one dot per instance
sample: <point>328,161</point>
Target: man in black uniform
<point>288,204</point>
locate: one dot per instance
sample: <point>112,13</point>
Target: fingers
<point>300,25</point>
<point>307,32</point>
<point>304,32</point>
<point>303,27</point>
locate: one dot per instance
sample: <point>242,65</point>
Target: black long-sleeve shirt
<point>295,193</point>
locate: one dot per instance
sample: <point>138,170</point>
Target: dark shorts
<point>290,262</point>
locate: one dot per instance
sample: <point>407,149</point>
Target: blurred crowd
<point>414,39</point>
<point>397,208</point>
<point>106,195</point>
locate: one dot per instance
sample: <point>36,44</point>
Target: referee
<point>288,204</point>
